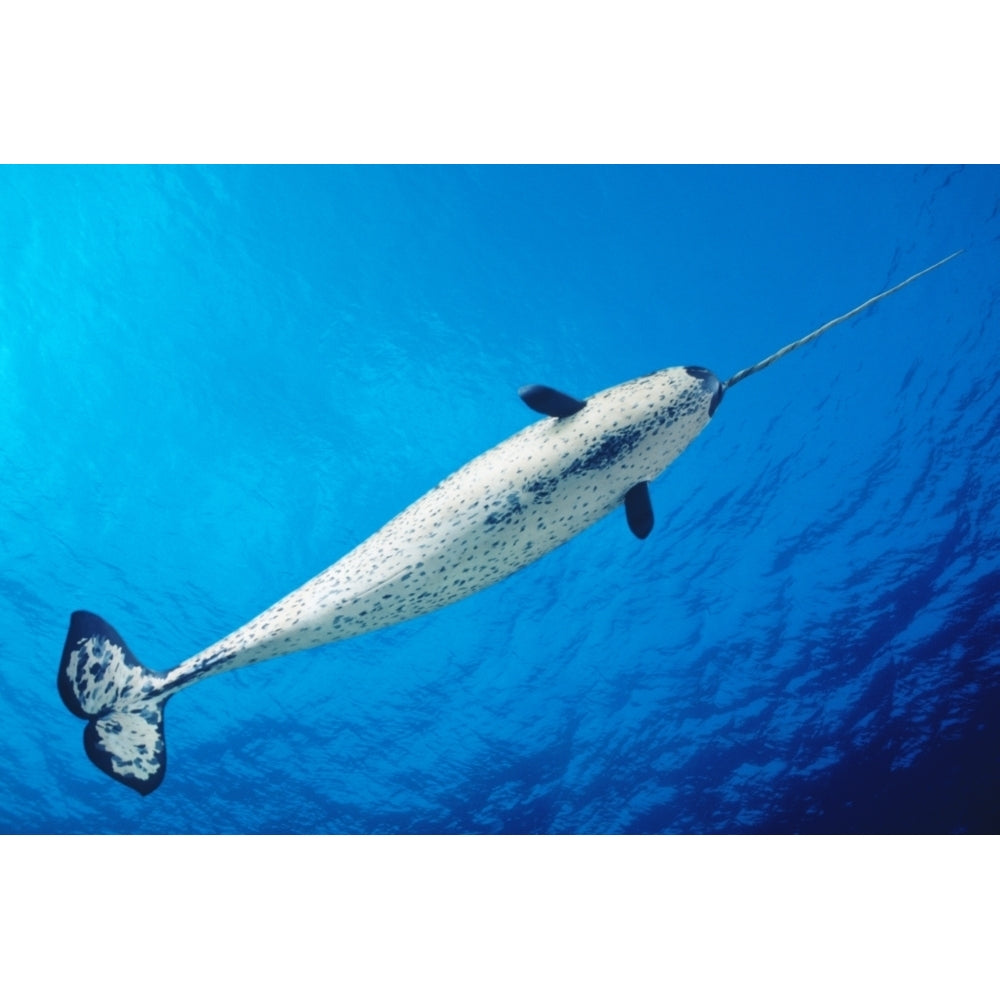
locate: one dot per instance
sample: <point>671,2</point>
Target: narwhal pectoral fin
<point>551,402</point>
<point>639,510</point>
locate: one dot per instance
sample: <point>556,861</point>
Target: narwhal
<point>497,514</point>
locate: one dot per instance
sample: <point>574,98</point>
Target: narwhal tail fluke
<point>101,681</point>
<point>809,337</point>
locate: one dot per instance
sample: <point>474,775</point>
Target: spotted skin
<point>502,511</point>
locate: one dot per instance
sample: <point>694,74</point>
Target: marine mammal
<point>503,510</point>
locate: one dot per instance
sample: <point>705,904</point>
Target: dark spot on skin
<point>606,451</point>
<point>541,489</point>
<point>508,514</point>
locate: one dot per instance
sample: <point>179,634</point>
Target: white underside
<point>503,510</point>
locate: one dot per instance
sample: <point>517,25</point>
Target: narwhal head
<point>710,385</point>
<point>641,426</point>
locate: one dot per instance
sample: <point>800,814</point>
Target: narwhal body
<point>500,512</point>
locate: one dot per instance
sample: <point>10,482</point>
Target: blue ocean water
<point>217,381</point>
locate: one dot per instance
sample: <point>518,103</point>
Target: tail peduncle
<point>753,369</point>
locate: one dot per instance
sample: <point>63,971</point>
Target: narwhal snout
<point>710,384</point>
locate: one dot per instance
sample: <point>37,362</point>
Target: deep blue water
<point>215,382</point>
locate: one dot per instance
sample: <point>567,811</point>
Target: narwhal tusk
<point>753,369</point>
